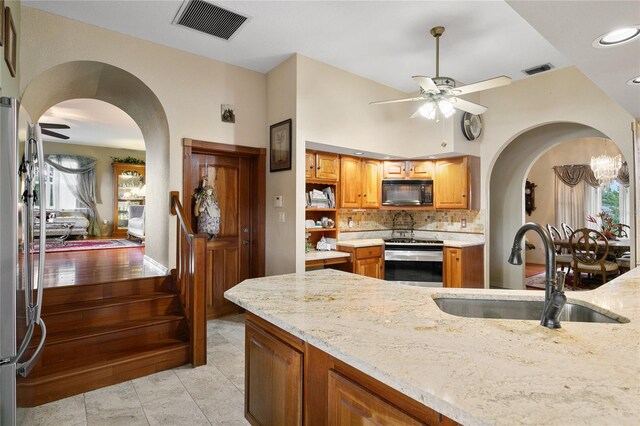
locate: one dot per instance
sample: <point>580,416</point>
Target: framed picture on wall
<point>280,146</point>
<point>2,23</point>
<point>9,42</point>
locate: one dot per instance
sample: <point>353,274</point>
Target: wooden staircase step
<point>108,311</point>
<point>82,293</point>
<point>57,382</point>
<point>71,345</point>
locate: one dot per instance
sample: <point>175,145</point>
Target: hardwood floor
<point>96,266</point>
<point>532,269</point>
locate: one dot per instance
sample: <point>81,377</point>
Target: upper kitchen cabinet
<point>457,183</point>
<point>360,183</point>
<point>322,166</point>
<point>408,169</point>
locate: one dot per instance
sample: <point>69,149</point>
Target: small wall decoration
<point>9,41</point>
<point>530,197</point>
<point>228,113</point>
<point>280,144</point>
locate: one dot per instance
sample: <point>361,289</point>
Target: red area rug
<point>536,282</point>
<point>76,245</point>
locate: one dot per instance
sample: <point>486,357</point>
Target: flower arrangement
<point>608,228</point>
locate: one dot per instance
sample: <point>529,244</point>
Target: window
<point>59,194</point>
<point>614,199</point>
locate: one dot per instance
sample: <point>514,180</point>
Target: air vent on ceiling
<point>538,69</point>
<point>209,19</point>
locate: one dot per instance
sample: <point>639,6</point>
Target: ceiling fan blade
<point>54,134</point>
<point>426,83</point>
<point>483,85</point>
<point>467,106</point>
<point>53,126</point>
<point>397,100</point>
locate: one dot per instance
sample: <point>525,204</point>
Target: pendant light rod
<point>437,32</point>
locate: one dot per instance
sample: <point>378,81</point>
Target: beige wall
<point>189,87</point>
<point>577,151</point>
<point>281,237</point>
<point>10,86</point>
<point>104,170</point>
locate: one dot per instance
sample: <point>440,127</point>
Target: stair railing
<point>189,278</point>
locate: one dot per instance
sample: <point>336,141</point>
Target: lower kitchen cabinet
<point>367,261</point>
<point>286,377</point>
<point>351,404</point>
<point>273,394</point>
<point>463,267</point>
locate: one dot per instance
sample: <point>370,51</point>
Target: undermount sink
<point>517,309</point>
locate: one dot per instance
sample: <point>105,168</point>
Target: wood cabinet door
<point>452,266</point>
<point>310,165</point>
<point>394,169</point>
<point>273,393</point>
<point>352,405</point>
<point>371,267</point>
<point>327,166</point>
<point>421,169</point>
<point>350,194</point>
<point>451,184</point>
<point>371,184</point>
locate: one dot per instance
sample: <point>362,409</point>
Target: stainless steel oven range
<point>413,262</point>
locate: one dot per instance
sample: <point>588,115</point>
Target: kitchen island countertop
<point>475,371</point>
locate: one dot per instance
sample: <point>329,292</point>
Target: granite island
<point>473,371</point>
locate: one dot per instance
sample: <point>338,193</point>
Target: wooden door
<point>452,265</point>
<point>371,184</point>
<point>451,184</point>
<point>273,393</point>
<point>394,169</point>
<point>353,405</point>
<point>327,166</point>
<point>350,194</point>
<point>421,169</point>
<point>310,165</point>
<point>237,253</point>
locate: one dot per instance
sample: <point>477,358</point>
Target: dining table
<point>616,247</point>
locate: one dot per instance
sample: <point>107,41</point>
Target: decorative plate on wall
<point>471,126</point>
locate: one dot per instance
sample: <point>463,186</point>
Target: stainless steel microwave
<point>401,192</point>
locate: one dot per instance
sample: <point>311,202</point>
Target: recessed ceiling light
<point>358,153</point>
<point>633,81</point>
<point>618,37</point>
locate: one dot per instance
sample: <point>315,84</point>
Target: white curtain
<point>592,205</point>
<point>570,204</point>
<point>625,205</point>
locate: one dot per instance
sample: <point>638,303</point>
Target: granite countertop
<point>461,244</point>
<point>475,371</point>
<point>324,254</point>
<point>362,243</point>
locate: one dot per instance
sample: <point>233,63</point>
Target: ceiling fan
<point>441,94</point>
<point>44,127</point>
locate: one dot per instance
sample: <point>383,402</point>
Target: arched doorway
<point>507,181</point>
<point>96,80</point>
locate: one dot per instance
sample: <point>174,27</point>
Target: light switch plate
<point>281,217</point>
<point>277,201</point>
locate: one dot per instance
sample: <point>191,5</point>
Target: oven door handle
<point>413,256</point>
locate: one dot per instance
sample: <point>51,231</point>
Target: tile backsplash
<point>431,220</point>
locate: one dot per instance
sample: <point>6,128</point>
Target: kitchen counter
<point>475,371</point>
<point>362,243</point>
<point>462,244</point>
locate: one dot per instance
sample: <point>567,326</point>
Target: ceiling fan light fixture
<point>428,110</point>
<point>446,108</point>
<point>618,37</point>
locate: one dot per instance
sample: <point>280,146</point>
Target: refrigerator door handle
<point>24,368</point>
<point>42,197</point>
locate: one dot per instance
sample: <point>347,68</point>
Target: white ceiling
<point>389,41</point>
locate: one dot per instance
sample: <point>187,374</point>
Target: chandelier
<point>605,167</point>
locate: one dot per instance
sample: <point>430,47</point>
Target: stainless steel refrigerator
<point>22,331</point>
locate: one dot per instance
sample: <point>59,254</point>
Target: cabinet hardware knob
<point>245,242</point>
<point>464,195</point>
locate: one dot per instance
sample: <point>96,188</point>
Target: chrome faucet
<point>554,298</point>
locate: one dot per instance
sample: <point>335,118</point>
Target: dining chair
<point>562,258</point>
<point>589,249</point>
<point>566,229</point>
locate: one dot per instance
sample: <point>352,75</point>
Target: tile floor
<point>207,395</point>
